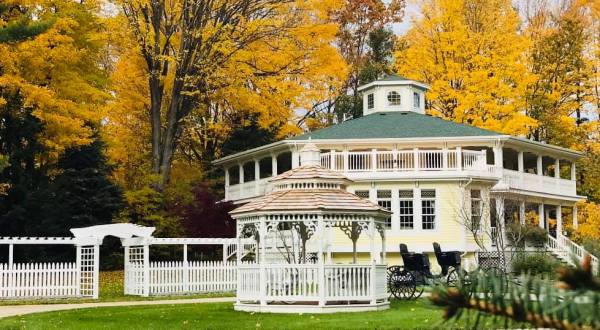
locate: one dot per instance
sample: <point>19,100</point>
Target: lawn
<point>111,289</point>
<point>418,314</point>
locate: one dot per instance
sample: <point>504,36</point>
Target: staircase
<point>570,252</point>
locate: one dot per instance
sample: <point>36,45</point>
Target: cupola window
<point>417,100</point>
<point>393,98</point>
<point>370,101</point>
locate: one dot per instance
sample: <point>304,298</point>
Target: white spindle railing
<point>39,280</point>
<point>359,161</point>
<point>180,277</point>
<point>568,250</point>
<point>302,282</point>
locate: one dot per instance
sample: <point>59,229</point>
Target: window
<point>362,193</point>
<point>476,209</point>
<point>384,199</point>
<point>370,101</point>
<point>428,209</point>
<point>406,209</point>
<point>393,98</point>
<point>416,100</point>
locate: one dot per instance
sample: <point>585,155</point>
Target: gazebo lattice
<point>294,228</point>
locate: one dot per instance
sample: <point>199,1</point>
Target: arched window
<point>393,98</point>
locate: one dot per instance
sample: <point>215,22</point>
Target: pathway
<point>6,311</point>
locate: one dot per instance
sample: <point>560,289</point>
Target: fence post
<point>186,269</point>
<point>96,270</point>
<point>11,272</point>
<point>78,266</point>
<point>146,292</point>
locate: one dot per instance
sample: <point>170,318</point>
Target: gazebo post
<point>373,280</point>
<point>263,274</point>
<point>238,257</point>
<point>383,249</point>
<point>321,229</point>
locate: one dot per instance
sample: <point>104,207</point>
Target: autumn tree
<point>561,73</point>
<point>472,56</point>
<point>365,41</point>
<point>207,59</point>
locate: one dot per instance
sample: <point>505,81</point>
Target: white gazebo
<point>294,228</point>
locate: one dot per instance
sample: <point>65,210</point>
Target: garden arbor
<point>294,228</point>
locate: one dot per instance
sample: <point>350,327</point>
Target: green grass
<point>111,289</point>
<point>418,314</point>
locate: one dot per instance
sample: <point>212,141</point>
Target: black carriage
<point>409,281</point>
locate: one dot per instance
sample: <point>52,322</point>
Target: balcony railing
<point>406,160</point>
<point>539,183</point>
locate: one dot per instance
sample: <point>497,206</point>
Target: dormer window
<point>370,101</point>
<point>393,98</point>
<point>416,100</point>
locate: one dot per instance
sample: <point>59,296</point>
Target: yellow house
<point>439,179</point>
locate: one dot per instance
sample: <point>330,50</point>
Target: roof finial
<point>310,155</point>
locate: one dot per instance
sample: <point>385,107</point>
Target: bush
<point>536,236</point>
<point>535,264</point>
<point>591,246</point>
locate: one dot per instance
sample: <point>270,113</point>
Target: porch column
<point>557,168</point>
<point>273,165</point>
<point>559,224</point>
<point>295,159</point>
<point>345,152</point>
<point>573,172</point>
<point>373,160</point>
<point>332,160</point>
<point>445,158</point>
<point>522,212</point>
<point>256,176</point>
<point>541,215</point>
<point>241,172</point>
<point>501,221</point>
<point>540,168</point>
<point>226,183</point>
<point>459,158</point>
<point>575,222</point>
<point>520,162</point>
<point>416,160</point>
<point>498,157</point>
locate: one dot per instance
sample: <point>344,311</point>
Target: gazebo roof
<point>309,200</point>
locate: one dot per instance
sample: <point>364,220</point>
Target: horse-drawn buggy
<point>408,281</point>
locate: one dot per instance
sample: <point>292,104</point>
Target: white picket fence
<point>39,280</point>
<point>179,277</point>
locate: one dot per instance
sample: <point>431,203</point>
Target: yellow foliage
<point>471,54</point>
<point>57,73</point>
<point>588,219</point>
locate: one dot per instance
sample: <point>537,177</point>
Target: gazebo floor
<point>308,308</point>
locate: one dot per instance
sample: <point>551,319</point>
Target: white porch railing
<point>405,160</point>
<point>569,251</point>
<point>541,183</point>
<point>302,282</point>
<point>246,189</point>
<point>39,280</point>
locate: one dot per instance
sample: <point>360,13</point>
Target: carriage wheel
<point>419,283</point>
<point>453,277</point>
<point>401,284</point>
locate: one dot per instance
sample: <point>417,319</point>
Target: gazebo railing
<point>302,282</point>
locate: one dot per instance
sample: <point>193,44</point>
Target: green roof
<point>386,125</point>
<point>392,77</point>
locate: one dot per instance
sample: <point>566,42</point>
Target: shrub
<point>536,236</point>
<point>535,264</point>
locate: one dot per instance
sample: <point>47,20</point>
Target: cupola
<point>393,93</point>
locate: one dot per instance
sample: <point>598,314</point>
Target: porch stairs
<point>569,252</point>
